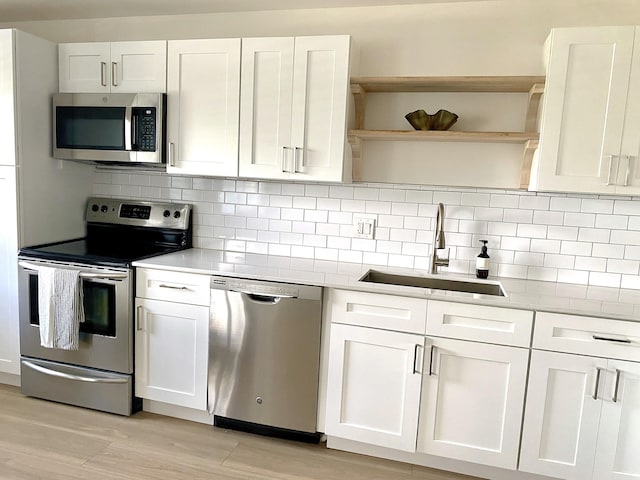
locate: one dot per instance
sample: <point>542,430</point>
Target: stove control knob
<point>94,207</point>
<point>104,209</point>
<point>176,214</point>
<point>166,213</point>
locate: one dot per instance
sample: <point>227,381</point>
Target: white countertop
<point>527,294</point>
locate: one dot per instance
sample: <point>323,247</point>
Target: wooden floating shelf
<point>519,84</point>
<point>443,136</point>
<point>533,85</point>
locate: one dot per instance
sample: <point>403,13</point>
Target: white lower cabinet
<point>583,418</point>
<point>472,401</point>
<point>172,337</point>
<point>373,391</point>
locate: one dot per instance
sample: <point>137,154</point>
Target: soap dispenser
<point>482,262</point>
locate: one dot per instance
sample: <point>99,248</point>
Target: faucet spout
<point>439,242</point>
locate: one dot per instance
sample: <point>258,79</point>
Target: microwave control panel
<point>145,128</point>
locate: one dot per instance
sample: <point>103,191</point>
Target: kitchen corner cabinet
<point>473,392</point>
<point>293,108</point>
<point>172,337</point>
<point>117,67</point>
<point>590,137</point>
<point>203,97</point>
<point>582,418</point>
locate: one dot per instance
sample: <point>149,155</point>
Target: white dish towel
<point>60,307</point>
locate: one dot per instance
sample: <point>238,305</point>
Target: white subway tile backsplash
<point>582,239</point>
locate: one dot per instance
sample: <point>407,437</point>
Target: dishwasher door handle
<point>262,295</point>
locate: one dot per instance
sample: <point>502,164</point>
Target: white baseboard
<point>10,379</point>
<point>178,412</point>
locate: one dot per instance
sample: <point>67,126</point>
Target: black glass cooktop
<point>97,253</point>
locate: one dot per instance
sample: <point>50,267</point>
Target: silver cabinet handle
<point>172,154</point>
<point>431,360</point>
<point>616,385</point>
<point>172,287</point>
<point>103,74</point>
<point>138,316</point>
<point>626,175</point>
<point>415,358</point>
<point>68,376</point>
<point>295,159</point>
<point>610,157</point>
<point>595,388</point>
<point>283,163</point>
<point>114,74</point>
<point>609,339</point>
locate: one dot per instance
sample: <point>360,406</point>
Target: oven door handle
<point>106,276</point>
<point>68,376</point>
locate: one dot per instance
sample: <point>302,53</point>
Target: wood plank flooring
<point>46,440</point>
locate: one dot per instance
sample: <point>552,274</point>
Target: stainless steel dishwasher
<point>264,356</point>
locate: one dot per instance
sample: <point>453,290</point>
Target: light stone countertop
<point>605,302</point>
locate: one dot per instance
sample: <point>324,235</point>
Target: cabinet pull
<point>103,74</point>
<point>616,385</point>
<point>284,152</point>
<point>295,159</point>
<point>431,360</point>
<point>172,155</point>
<point>415,358</point>
<point>172,287</point>
<point>626,175</point>
<point>595,389</point>
<point>610,157</point>
<point>114,74</point>
<point>609,339</point>
<point>138,315</point>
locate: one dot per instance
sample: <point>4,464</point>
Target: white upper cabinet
<point>293,108</point>
<point>590,138</point>
<point>7,111</point>
<point>102,67</point>
<point>203,95</point>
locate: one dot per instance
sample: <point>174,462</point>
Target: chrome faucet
<point>438,242</point>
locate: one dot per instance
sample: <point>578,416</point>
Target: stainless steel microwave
<point>111,127</point>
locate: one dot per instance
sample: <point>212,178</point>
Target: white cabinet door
<point>293,107</point>
<point>7,111</point>
<point>9,339</point>
<point>373,389</point>
<point>125,67</point>
<point>320,94</point>
<point>629,166</point>
<point>265,107</point>
<point>619,434</point>
<point>562,415</point>
<point>203,105</point>
<point>84,67</point>
<point>584,108</point>
<point>139,67</point>
<point>172,352</point>
<point>472,401</point>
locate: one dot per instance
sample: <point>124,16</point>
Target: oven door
<point>106,335</point>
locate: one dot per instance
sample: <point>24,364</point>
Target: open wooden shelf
<point>533,85</point>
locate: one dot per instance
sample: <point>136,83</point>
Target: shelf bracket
<point>359,97</point>
<point>533,105</point>
<point>527,159</point>
<point>356,157</point>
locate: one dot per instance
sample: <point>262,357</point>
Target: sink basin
<point>434,283</point>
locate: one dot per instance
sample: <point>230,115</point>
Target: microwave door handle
<point>127,128</point>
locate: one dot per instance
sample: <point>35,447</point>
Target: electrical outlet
<point>364,227</point>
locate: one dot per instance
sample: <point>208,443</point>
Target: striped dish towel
<point>60,307</point>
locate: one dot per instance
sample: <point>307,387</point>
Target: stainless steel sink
<point>434,283</point>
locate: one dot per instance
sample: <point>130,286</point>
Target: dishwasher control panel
<point>265,288</point>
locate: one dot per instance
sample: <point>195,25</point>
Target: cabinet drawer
<point>403,314</point>
<point>503,326</point>
<point>600,337</point>
<point>172,286</point>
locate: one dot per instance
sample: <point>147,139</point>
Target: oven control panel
<point>139,213</point>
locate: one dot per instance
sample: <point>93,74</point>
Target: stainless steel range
<point>99,374</point>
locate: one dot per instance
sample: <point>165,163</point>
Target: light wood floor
<point>46,440</point>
